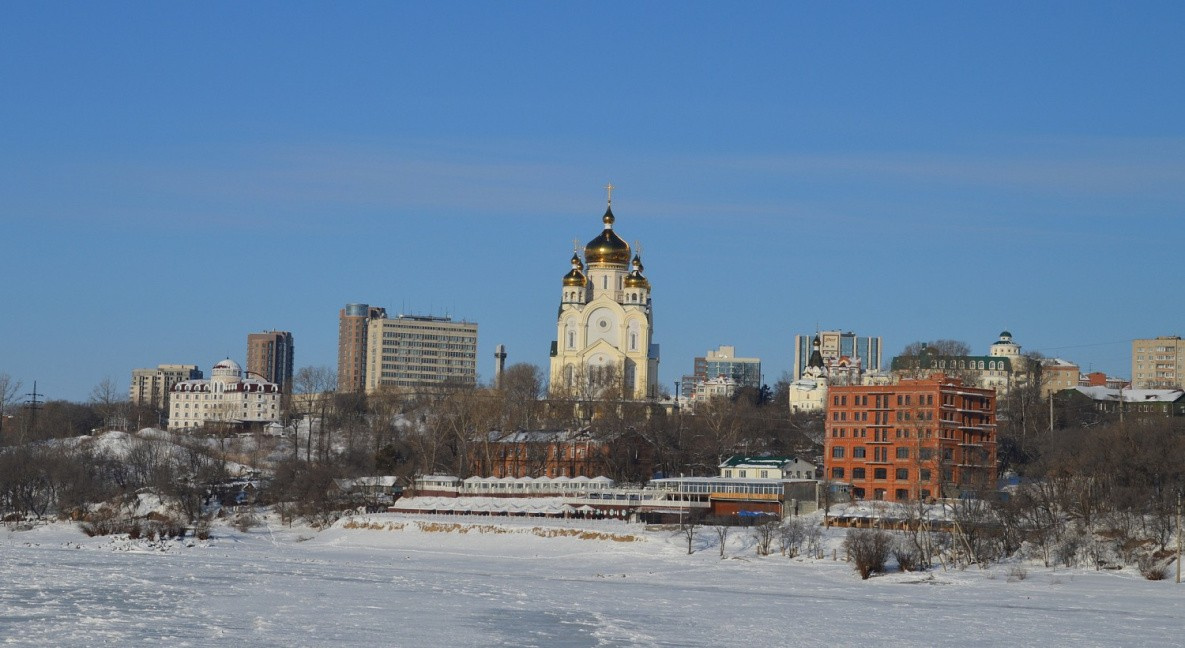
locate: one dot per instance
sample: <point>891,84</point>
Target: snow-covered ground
<point>420,581</point>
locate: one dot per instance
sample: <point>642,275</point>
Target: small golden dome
<point>608,247</point>
<point>635,279</point>
<point>575,277</point>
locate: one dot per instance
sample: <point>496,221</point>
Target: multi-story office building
<point>915,440</point>
<point>834,345</point>
<point>1158,363</point>
<point>724,362</point>
<point>413,351</point>
<point>151,386</point>
<point>351,345</point>
<point>270,356</point>
<point>721,367</point>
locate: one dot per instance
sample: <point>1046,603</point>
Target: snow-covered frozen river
<point>411,587</point>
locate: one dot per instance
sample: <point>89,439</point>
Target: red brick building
<point>918,439</point>
<point>626,457</point>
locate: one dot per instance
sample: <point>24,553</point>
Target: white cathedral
<point>605,323</point>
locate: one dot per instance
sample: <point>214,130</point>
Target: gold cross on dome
<point>575,245</point>
<point>609,188</point>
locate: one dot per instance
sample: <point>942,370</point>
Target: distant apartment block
<point>1057,375</point>
<point>270,356</point>
<point>414,351</point>
<point>834,345</point>
<point>351,345</point>
<point>151,386</point>
<point>1158,363</point>
<point>721,367</point>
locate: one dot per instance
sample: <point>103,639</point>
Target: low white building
<point>226,398</point>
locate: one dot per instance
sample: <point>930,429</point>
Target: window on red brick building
<point>837,473</point>
<point>837,452</point>
<point>880,473</point>
<point>857,452</point>
<point>903,474</point>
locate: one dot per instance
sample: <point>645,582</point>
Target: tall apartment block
<point>915,440</point>
<point>417,350</point>
<point>351,345</point>
<point>1158,363</point>
<point>151,386</point>
<point>270,356</point>
<point>835,345</point>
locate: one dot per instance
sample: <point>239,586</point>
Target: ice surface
<point>419,581</point>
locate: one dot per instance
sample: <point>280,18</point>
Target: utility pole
<point>33,404</point>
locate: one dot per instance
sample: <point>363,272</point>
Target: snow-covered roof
<point>1132,395</point>
<point>503,505</point>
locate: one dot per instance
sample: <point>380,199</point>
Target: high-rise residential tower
<point>270,356</point>
<point>351,345</point>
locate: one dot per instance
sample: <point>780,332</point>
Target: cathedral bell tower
<point>603,338</point>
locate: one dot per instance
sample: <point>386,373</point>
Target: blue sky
<point>174,176</point>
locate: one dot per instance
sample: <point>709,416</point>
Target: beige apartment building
<point>151,386</point>
<point>351,344</point>
<point>1058,375</point>
<point>411,351</point>
<point>1158,363</point>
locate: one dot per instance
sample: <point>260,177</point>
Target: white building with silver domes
<point>226,399</point>
<point>605,324</point>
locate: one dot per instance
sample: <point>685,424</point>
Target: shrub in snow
<point>1017,573</point>
<point>1152,568</point>
<point>791,535</point>
<point>764,535</point>
<point>868,549</point>
<point>244,522</point>
<point>906,554</point>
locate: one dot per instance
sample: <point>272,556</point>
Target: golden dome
<point>608,247</point>
<point>635,279</point>
<point>576,276</point>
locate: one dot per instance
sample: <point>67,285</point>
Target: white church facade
<point>605,324</point>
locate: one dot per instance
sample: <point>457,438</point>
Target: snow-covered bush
<point>868,549</point>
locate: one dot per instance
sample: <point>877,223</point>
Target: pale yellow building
<point>604,328</point>
<point>1158,363</point>
<point>151,386</point>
